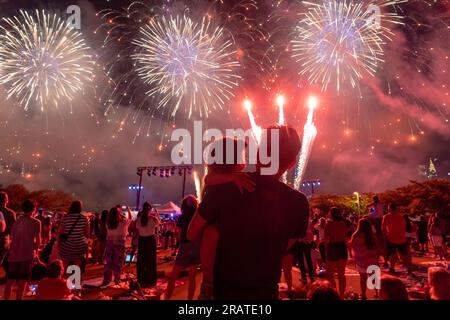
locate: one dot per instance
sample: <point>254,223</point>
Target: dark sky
<point>367,140</point>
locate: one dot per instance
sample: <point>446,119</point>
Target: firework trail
<point>341,41</point>
<point>257,131</point>
<point>198,186</point>
<point>309,135</point>
<point>281,121</point>
<point>43,60</point>
<point>280,102</point>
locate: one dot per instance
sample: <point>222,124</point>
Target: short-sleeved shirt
<point>119,234</point>
<point>10,218</point>
<point>395,226</point>
<point>23,233</point>
<point>254,230</point>
<point>149,229</point>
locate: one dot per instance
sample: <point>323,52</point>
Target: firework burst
<point>341,41</point>
<point>186,64</point>
<point>43,61</point>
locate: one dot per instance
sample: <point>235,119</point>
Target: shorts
<point>19,270</point>
<point>337,251</point>
<point>393,248</point>
<point>188,255</point>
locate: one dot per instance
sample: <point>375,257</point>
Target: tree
<point>47,199</point>
<point>416,198</point>
<point>17,193</point>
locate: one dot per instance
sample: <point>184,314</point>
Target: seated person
<point>392,289</point>
<point>54,287</point>
<point>439,282</point>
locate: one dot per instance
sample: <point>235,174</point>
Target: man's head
<point>55,269</point>
<point>376,199</point>
<point>76,207</point>
<point>29,207</point>
<point>282,144</point>
<point>439,280</point>
<point>392,207</point>
<point>392,289</point>
<point>322,291</point>
<point>3,199</point>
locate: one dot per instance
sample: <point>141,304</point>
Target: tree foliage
<point>50,200</point>
<point>429,196</point>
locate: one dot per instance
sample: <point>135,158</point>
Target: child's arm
<point>241,180</point>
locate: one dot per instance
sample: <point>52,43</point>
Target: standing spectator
<point>73,234</point>
<point>337,254</point>
<point>2,222</point>
<point>376,214</point>
<point>422,233</point>
<point>365,253</point>
<point>170,234</point>
<point>98,253</point>
<point>320,227</point>
<point>146,259</point>
<point>100,238</point>
<point>117,229</point>
<point>304,255</point>
<point>393,289</point>
<point>53,287</point>
<point>439,282</point>
<point>46,228</point>
<point>9,217</point>
<point>132,230</point>
<point>316,257</point>
<point>25,241</point>
<point>409,238</point>
<point>394,227</point>
<point>40,217</point>
<point>188,255</point>
<point>255,228</point>
<point>436,233</point>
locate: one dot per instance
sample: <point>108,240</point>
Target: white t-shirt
<point>120,233</point>
<point>149,229</point>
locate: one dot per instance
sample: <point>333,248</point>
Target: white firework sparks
<point>187,64</point>
<point>341,41</point>
<point>43,61</point>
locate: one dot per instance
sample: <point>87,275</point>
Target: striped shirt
<point>75,246</point>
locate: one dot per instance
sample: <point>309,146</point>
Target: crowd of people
<point>247,230</point>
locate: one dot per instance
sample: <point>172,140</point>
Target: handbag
<point>64,236</point>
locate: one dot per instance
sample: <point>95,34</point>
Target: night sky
<point>371,138</point>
